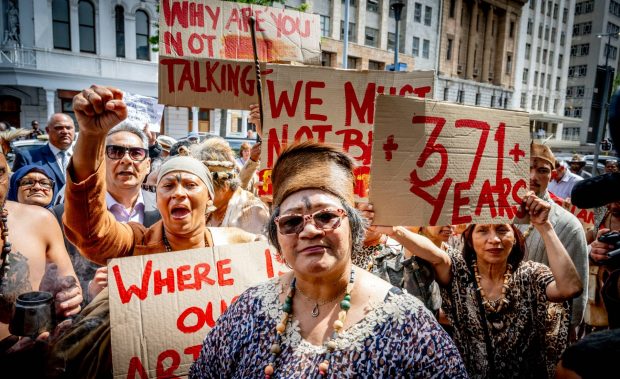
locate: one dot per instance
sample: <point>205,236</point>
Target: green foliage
<point>615,84</point>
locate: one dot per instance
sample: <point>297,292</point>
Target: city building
<point>542,65</point>
<point>586,71</point>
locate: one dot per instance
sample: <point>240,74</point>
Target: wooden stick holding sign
<point>259,86</point>
<point>436,163</point>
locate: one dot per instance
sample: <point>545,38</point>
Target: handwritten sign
<point>207,83</point>
<point>163,305</point>
<point>329,105</point>
<point>220,29</point>
<point>437,163</point>
<point>143,110</point>
<point>585,216</point>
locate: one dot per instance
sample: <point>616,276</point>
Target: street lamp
<point>397,6</point>
<point>604,105</point>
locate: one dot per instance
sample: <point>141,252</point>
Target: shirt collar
<point>56,150</point>
<point>110,201</point>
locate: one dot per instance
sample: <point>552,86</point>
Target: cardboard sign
<point>163,305</point>
<point>436,163</point>
<point>221,29</point>
<point>585,216</point>
<point>143,110</point>
<point>329,105</point>
<point>207,83</point>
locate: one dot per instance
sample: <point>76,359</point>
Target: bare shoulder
<point>30,215</point>
<point>370,284</point>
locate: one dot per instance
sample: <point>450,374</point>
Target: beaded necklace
<point>6,247</point>
<point>497,305</point>
<point>330,344</point>
<point>169,247</point>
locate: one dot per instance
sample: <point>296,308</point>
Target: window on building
<point>556,9</point>
<point>446,92</point>
<point>565,16</point>
<point>391,41</point>
<point>562,38</point>
<point>535,78</point>
<point>577,112</point>
<point>614,8</point>
<point>371,37</point>
<point>567,112</point>
<point>417,12</point>
<point>372,6</point>
<point>546,108</point>
<point>540,103</point>
<point>86,17</point>
<point>549,81</point>
<point>544,56</point>
<point>327,59</point>
<point>533,105</point>
<point>119,15</point>
<point>540,31</point>
<point>530,25</point>
<point>580,91</point>
<point>508,63</point>
<point>557,83</point>
<point>526,74</point>
<point>352,31</point>
<point>528,50</point>
<point>428,15</point>
<point>554,33</point>
<point>449,50</point>
<point>523,100</point>
<point>580,50</point>
<point>610,51</point>
<point>375,65</point>
<point>143,51</point>
<point>326,26</point>
<point>352,3</point>
<point>60,24</point>
<point>571,71</point>
<point>613,28</point>
<point>560,60</point>
<point>538,51</point>
<point>542,7</point>
<point>353,62</point>
<point>416,47</point>
<point>570,134</point>
<point>549,7</point>
<point>584,7</point>
<point>569,91</point>
<point>478,98</point>
<point>556,105</point>
<point>460,98</point>
<point>511,29</point>
<point>426,47</point>
<point>542,80</point>
<point>583,70</point>
<point>452,8</point>
<point>551,57</point>
<point>547,33</point>
<point>532,4</point>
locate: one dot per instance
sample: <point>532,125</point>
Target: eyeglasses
<point>46,184</point>
<point>326,219</point>
<point>116,152</point>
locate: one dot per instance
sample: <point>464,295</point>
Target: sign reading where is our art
<point>205,49</point>
<point>329,105</point>
<point>437,163</point>
<point>163,305</point>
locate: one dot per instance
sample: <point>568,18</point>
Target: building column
<point>195,111</point>
<point>384,25</point>
<point>74,26</point>
<point>488,43</point>
<point>337,13</point>
<point>471,44</point>
<point>50,99</point>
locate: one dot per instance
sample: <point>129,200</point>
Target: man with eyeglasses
<point>56,154</point>
<point>127,165</point>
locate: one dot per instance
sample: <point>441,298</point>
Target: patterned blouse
<point>527,337</point>
<point>398,338</point>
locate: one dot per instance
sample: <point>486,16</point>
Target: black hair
<point>594,356</point>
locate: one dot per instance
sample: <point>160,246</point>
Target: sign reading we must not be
<point>436,163</point>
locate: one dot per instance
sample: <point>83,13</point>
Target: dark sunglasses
<point>43,183</point>
<point>326,219</point>
<point>116,152</point>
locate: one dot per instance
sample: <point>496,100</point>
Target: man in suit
<point>56,153</point>
<point>127,164</point>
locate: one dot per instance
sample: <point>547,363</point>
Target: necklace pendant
<point>315,310</point>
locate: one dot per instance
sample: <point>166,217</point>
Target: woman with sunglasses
<point>327,317</point>
<point>32,184</point>
<point>184,192</point>
<point>510,316</point>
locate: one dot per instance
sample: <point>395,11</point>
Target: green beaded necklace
<point>330,344</point>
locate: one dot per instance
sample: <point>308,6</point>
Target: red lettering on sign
<point>173,42</point>
<point>365,110</point>
<point>313,100</point>
<point>194,351</point>
<point>422,91</point>
<point>215,16</point>
<point>201,274</point>
<point>196,15</point>
<point>283,99</point>
<point>430,149</point>
<point>355,138</point>
<point>167,281</point>
<point>178,12</point>
<point>182,278</point>
<point>389,146</point>
<point>287,25</point>
<point>135,367</point>
<point>275,145</point>
<point>125,294</point>
<point>223,268</point>
<point>163,372</point>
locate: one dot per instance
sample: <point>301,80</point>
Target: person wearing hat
<point>193,137</point>
<point>577,163</point>
<point>327,317</point>
<point>564,180</point>
<point>184,195</point>
<point>566,226</point>
<point>166,143</point>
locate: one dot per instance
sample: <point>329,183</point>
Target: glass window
<point>374,65</point>
<point>428,15</point>
<point>449,50</point>
<point>528,49</point>
<point>416,47</point>
<point>326,26</point>
<point>417,12</point>
<point>143,51</point>
<point>326,59</point>
<point>372,37</point>
<point>120,31</point>
<point>391,42</point>
<point>372,6</point>
<point>352,31</point>
<point>86,17</point>
<point>526,74</point>
<point>352,62</point>
<point>426,46</point>
<point>60,24</point>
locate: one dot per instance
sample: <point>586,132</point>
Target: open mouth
<point>179,213</point>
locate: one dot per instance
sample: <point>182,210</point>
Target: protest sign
<point>585,216</point>
<point>436,163</point>
<point>207,83</point>
<point>163,305</point>
<point>220,29</point>
<point>143,110</point>
<point>329,105</point>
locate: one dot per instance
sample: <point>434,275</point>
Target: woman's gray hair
<point>356,221</point>
<point>219,157</point>
<point>131,127</point>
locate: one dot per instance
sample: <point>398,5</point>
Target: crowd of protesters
<point>480,301</point>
